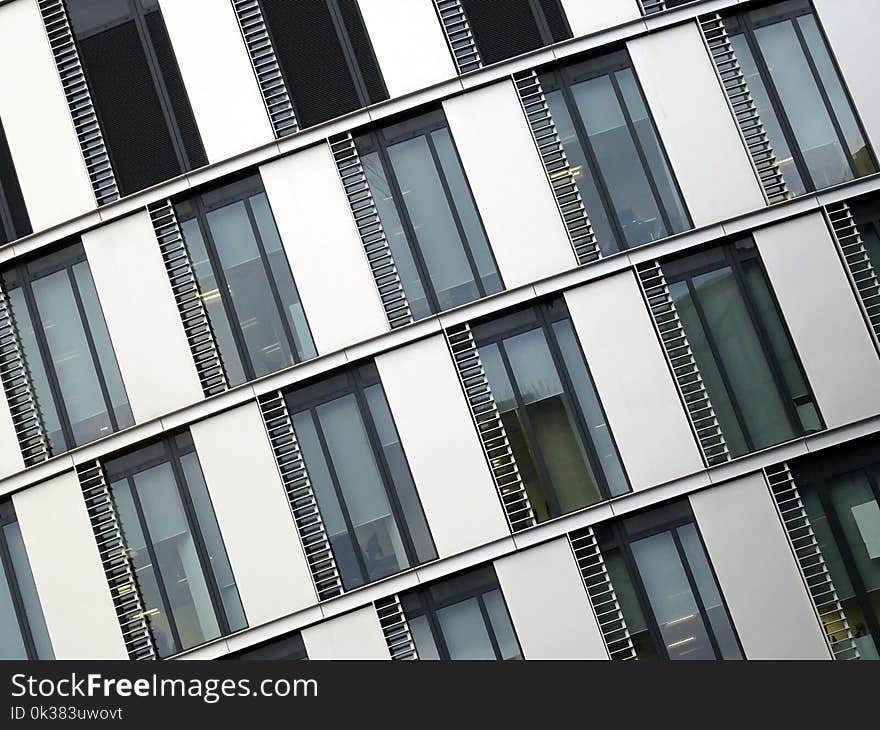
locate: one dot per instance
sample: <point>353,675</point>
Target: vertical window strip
<point>556,165</point>
<point>370,229</point>
<point>600,591</point>
<point>811,563</point>
<point>490,428</point>
<point>859,268</point>
<point>79,101</point>
<point>395,628</point>
<point>682,363</point>
<point>744,109</point>
<point>300,495</point>
<point>115,559</point>
<point>458,34</point>
<point>265,64</point>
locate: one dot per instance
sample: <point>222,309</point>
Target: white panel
<point>757,572</point>
<point>218,75</point>
<point>823,316</point>
<point>635,386</point>
<point>267,558</point>
<point>355,635</point>
<point>548,603</point>
<point>70,580</point>
<point>851,27</point>
<point>705,150</point>
<point>590,16</point>
<point>409,44</point>
<point>442,446</point>
<point>148,338</point>
<point>43,143</point>
<point>10,453</point>
<point>509,184</point>
<point>328,261</point>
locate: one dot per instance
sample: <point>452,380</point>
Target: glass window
<point>14,221</point>
<point>171,533</point>
<point>428,213</point>
<point>614,151</point>
<point>800,96</point>
<point>666,586</point>
<point>360,476</point>
<point>743,350</point>
<point>289,647</point>
<point>245,280</point>
<point>23,633</point>
<point>557,429</point>
<point>866,212</point>
<point>462,617</point>
<point>67,349</point>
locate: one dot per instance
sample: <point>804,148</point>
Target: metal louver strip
<point>742,105</point>
<point>116,562</point>
<point>370,229</point>
<point>300,495</point>
<point>862,274</point>
<point>268,72</point>
<point>603,599</point>
<point>79,101</point>
<point>490,428</point>
<point>559,172</point>
<point>458,35</point>
<point>17,385</point>
<point>649,7</point>
<point>682,363</point>
<point>811,562</point>
<point>196,325</point>
<point>395,627</point>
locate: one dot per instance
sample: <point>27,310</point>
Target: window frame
<point>10,193</point>
<point>377,140</point>
<point>562,77</point>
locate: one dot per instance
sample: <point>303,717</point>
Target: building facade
<point>439,329</point>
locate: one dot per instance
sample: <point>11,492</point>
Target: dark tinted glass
<point>14,221</point>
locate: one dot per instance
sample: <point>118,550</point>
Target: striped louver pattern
<point>458,35</point>
<point>650,7</point>
<point>395,628</point>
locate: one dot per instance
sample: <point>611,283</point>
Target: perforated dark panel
<point>14,221</point>
<point>502,28</point>
<point>556,20</point>
<point>363,51</point>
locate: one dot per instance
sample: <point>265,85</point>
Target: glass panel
<point>642,640</point>
<point>11,641</point>
<point>413,515</point>
<point>826,159</point>
<point>591,409</point>
<point>583,174</point>
<point>467,211</point>
<point>210,295</point>
<point>103,346</point>
<point>179,565</point>
<point>362,487</point>
<point>219,561</point>
<point>465,631</point>
<point>619,161</point>
<point>280,268</point>
<point>344,550</point>
<point>254,303</point>
<point>672,601</point>
<point>709,594</point>
<point>423,638</point>
<point>505,636</point>
<point>71,358</point>
<point>37,372</point>
<point>397,240</point>
<point>434,225</point>
<point>872,244</point>
<point>28,591</point>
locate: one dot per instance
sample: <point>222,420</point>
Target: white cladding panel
<point>591,16</point>
<point>355,635</point>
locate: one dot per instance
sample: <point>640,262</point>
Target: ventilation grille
<point>300,495</point>
<point>745,112</point>
<point>266,68</point>
<point>116,562</point>
<point>490,428</point>
<point>458,35</point>
<point>681,361</point>
<point>810,561</point>
<point>649,7</point>
<point>858,264</point>
<point>395,628</point>
<point>17,386</point>
<point>79,101</point>
<point>565,189</point>
<point>193,314</point>
<point>373,238</point>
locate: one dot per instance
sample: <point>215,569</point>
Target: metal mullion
<point>6,216</point>
<point>430,612</point>
<point>93,351</point>
<point>637,143</point>
<point>354,68</point>
<point>541,22</point>
<point>17,601</point>
<point>490,629</point>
